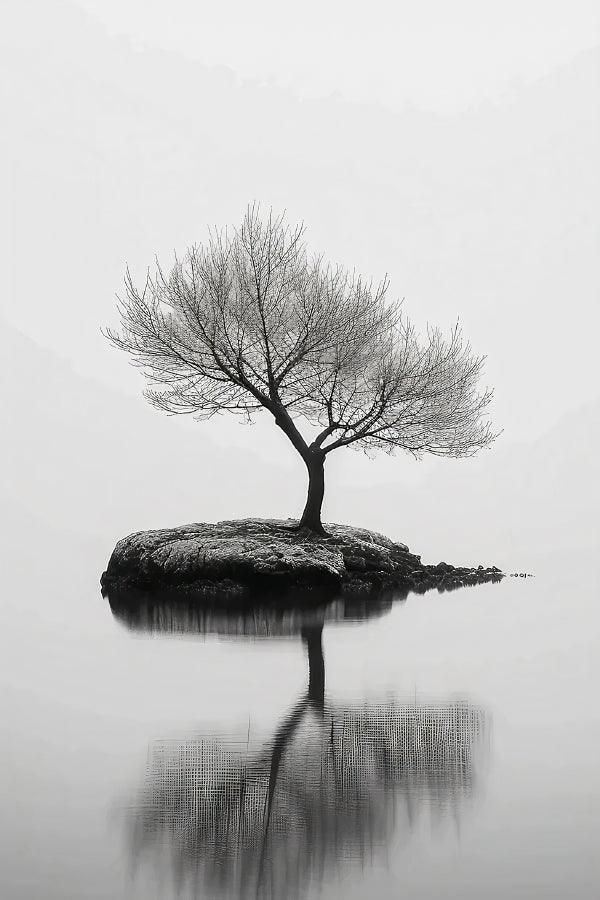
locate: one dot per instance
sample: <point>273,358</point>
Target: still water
<point>445,747</point>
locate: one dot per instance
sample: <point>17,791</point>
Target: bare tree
<point>251,321</point>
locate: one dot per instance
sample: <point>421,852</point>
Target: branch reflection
<point>332,786</point>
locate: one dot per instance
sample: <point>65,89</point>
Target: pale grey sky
<point>433,54</point>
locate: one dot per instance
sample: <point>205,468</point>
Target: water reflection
<point>175,613</point>
<point>331,786</point>
<point>179,611</point>
<point>186,610</point>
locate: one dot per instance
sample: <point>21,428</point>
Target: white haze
<point>432,54</point>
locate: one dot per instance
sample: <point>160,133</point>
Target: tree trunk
<point>311,517</point>
<point>311,635</point>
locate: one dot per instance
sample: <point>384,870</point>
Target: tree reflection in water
<point>331,787</point>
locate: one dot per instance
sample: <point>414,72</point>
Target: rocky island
<point>246,560</point>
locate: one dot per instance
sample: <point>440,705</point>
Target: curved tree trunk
<point>312,638</point>
<point>311,517</point>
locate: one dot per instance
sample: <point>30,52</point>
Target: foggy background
<point>453,147</point>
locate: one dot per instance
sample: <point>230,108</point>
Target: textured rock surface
<point>242,556</point>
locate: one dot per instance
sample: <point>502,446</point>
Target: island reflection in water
<point>334,783</point>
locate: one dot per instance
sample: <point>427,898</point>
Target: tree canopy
<point>251,321</point>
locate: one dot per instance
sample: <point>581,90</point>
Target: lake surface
<point>446,748</point>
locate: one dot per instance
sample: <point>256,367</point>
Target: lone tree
<point>251,321</point>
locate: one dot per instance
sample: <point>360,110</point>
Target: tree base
<point>304,527</point>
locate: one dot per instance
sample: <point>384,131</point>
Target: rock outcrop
<point>243,558</point>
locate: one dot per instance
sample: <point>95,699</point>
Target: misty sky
<point>432,54</point>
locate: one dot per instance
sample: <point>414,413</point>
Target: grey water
<point>446,747</point>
